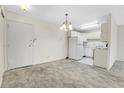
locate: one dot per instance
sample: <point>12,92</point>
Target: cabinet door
<point>104,32</point>
<point>100,58</point>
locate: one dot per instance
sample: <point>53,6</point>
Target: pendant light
<point>66,26</point>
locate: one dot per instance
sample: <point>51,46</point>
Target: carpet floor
<point>64,74</point>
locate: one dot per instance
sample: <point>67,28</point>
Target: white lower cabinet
<point>100,58</point>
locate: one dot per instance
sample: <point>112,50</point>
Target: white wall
<point>2,30</point>
<point>112,49</point>
<point>51,43</point>
<point>120,43</point>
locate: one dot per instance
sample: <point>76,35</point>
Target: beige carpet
<point>62,74</point>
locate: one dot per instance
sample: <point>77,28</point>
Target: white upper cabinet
<point>86,36</point>
<point>93,35</point>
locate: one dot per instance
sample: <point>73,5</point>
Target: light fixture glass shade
<point>66,26</point>
<point>70,27</point>
<point>65,29</point>
<point>61,28</point>
<point>24,7</point>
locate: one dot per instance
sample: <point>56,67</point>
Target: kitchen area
<point>90,48</point>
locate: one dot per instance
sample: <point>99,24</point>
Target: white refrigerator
<point>75,48</point>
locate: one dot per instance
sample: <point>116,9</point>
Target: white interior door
<point>20,44</point>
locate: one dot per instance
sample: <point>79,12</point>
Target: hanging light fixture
<point>66,26</point>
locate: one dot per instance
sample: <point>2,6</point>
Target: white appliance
<point>88,52</point>
<point>75,48</point>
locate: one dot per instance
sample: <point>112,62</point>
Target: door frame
<point>7,63</point>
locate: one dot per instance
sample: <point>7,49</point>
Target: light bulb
<point>24,7</point>
<point>70,27</point>
<point>65,29</point>
<point>64,26</point>
<point>61,28</point>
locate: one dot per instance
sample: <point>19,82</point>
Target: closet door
<point>20,44</point>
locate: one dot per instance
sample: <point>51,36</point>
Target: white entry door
<point>20,44</point>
